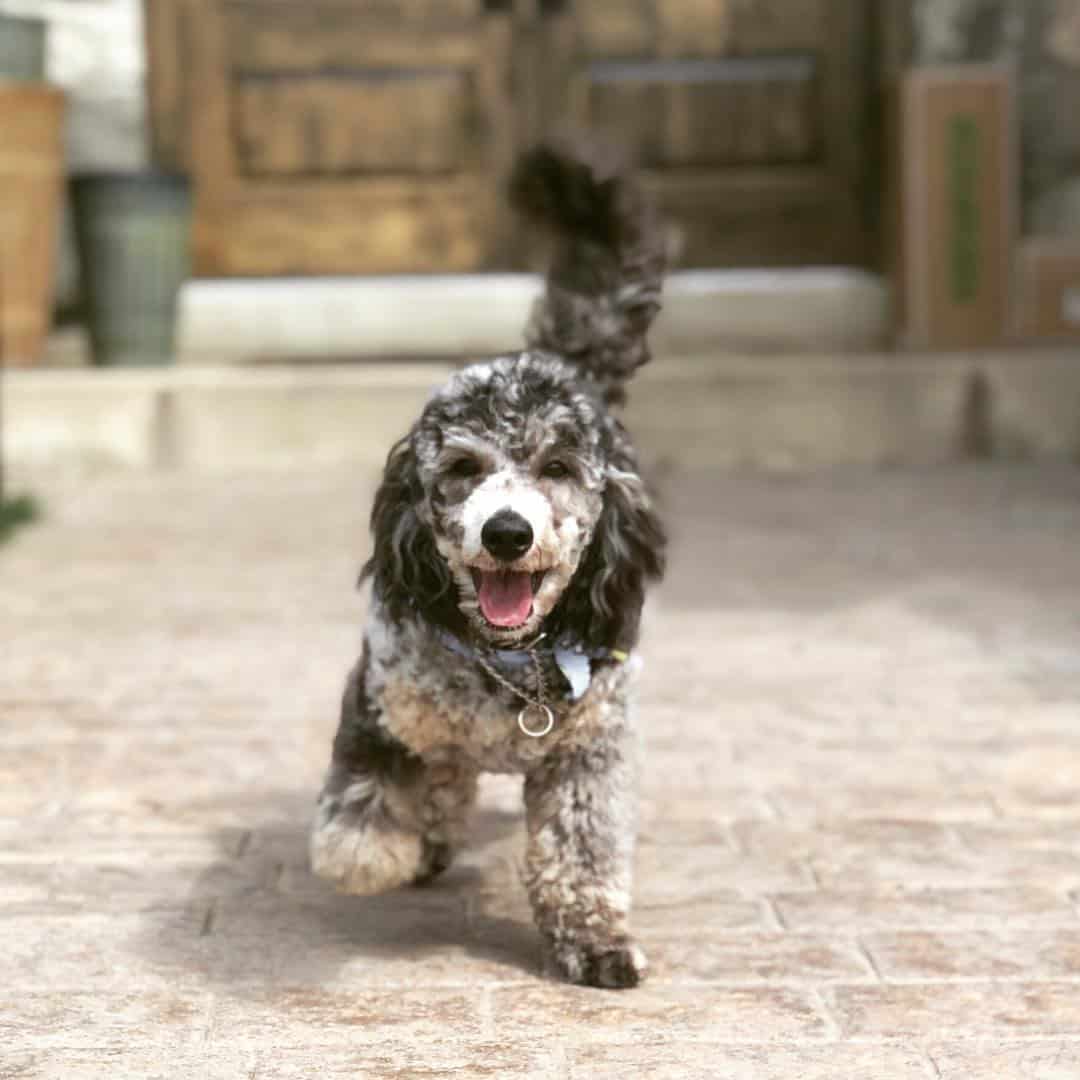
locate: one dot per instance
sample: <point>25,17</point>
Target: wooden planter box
<point>31,187</point>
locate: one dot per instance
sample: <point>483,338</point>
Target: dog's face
<point>510,461</point>
<point>515,492</point>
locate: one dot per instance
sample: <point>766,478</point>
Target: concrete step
<point>721,409</point>
<point>244,321</point>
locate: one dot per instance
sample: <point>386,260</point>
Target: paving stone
<point>720,912</point>
<point>1046,954</point>
<point>818,841</point>
<point>43,775</point>
<point>147,1063</point>
<point>111,953</point>
<point>914,854</point>
<point>679,1061</point>
<point>1043,780</point>
<point>125,885</point>
<point>756,958</point>
<point>1039,1059</point>
<point>897,907</point>
<point>673,876</point>
<point>56,842</point>
<point>392,1060</point>
<point>152,1021</point>
<point>309,1016</point>
<point>1009,837</point>
<point>667,818</point>
<point>852,803</point>
<point>719,1014</point>
<point>778,763</point>
<point>1055,869</point>
<point>938,1010</point>
<point>403,1061</point>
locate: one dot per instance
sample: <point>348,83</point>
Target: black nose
<point>507,535</point>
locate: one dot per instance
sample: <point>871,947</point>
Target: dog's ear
<point>407,571</point>
<point>626,552</point>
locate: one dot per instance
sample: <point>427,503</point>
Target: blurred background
<point>864,191</point>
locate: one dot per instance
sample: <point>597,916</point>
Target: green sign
<point>965,215</point>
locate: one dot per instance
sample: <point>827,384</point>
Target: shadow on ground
<point>256,919</point>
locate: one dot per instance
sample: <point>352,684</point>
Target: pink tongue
<point>505,597</point>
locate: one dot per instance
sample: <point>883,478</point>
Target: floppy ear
<point>408,572</point>
<point>605,597</point>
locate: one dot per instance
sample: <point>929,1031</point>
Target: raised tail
<point>603,285</point>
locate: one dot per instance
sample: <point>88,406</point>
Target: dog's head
<point>514,505</point>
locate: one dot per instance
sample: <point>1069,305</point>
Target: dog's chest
<point>436,703</point>
<point>430,719</point>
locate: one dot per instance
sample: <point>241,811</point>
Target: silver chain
<point>538,703</point>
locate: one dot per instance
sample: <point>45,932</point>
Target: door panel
<point>746,115</point>
<point>406,121</point>
<point>676,113</point>
<point>336,35</point>
<point>340,137</point>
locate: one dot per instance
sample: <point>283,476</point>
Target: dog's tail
<point>603,285</point>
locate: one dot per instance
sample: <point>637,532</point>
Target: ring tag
<point>536,733</point>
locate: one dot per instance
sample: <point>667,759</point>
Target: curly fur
<point>603,286</point>
<point>531,436</point>
<point>409,575</point>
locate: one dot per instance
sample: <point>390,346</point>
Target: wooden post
<point>2,353</point>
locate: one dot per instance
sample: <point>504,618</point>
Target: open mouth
<point>506,596</point>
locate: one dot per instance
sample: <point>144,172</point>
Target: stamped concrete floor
<point>860,853</point>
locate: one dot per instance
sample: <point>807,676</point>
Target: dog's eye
<point>555,470</point>
<point>465,467</point>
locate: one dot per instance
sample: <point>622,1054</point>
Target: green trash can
<point>132,231</point>
<point>22,48</point>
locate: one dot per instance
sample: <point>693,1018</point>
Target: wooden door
<point>748,115</point>
<point>336,137</point>
<point>374,136</point>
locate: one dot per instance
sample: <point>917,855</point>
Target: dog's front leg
<point>386,817</point>
<point>581,808</point>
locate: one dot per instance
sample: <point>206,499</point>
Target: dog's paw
<point>364,857</point>
<point>614,965</point>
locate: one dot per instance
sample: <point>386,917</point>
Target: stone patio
<point>860,856</point>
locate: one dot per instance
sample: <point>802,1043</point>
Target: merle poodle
<point>513,539</point>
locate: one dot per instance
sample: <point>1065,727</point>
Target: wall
<point>95,53</point>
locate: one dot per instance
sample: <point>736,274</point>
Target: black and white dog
<point>513,540</point>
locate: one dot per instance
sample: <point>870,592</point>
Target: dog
<point>514,538</point>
